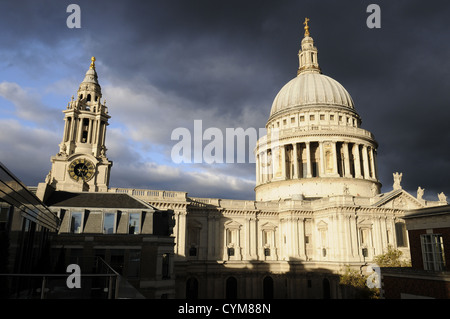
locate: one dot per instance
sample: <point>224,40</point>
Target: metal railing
<point>103,283</point>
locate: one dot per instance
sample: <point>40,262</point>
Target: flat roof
<point>428,211</point>
<point>95,200</point>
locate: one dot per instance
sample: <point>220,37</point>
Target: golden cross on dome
<point>306,27</point>
<point>92,63</point>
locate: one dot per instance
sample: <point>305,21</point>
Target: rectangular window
<point>400,233</point>
<point>165,266</point>
<point>433,252</point>
<point>117,260</point>
<point>4,218</point>
<point>302,118</point>
<point>134,263</point>
<point>134,223</point>
<point>311,117</point>
<point>76,222</point>
<point>322,117</point>
<point>109,223</point>
<point>331,117</point>
<point>292,120</point>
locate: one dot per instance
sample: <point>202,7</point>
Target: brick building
<point>429,275</point>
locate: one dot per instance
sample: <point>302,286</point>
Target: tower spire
<point>307,55</point>
<point>81,164</point>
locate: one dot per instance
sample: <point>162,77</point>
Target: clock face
<point>81,169</point>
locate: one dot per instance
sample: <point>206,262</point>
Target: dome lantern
<point>307,56</point>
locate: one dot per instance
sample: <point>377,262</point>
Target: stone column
<point>357,161</point>
<point>375,163</point>
<point>66,129</point>
<point>346,160</point>
<point>295,151</point>
<point>94,132</point>
<point>90,131</point>
<point>372,163</point>
<point>211,239</point>
<point>308,160</point>
<point>335,162</point>
<point>80,130</point>
<point>104,133</point>
<point>253,241</point>
<point>365,162</point>
<point>301,237</point>
<point>282,149</point>
<point>321,160</point>
<point>72,129</point>
<point>181,236</point>
<point>264,177</point>
<point>257,164</point>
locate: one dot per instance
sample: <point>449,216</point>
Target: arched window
<point>192,288</point>
<point>268,288</point>
<point>231,288</point>
<point>88,99</point>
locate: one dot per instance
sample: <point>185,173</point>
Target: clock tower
<point>81,163</point>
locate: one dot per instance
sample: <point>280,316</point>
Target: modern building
<point>26,225</point>
<point>429,240</point>
<point>317,208</point>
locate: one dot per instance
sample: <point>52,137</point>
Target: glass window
<point>4,218</point>
<point>109,223</point>
<point>433,252</point>
<point>134,223</point>
<point>76,221</point>
<point>400,232</point>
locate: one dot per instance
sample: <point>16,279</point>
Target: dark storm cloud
<point>230,58</point>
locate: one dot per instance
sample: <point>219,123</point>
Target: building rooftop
<point>97,200</point>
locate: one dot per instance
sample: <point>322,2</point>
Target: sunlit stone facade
<point>317,206</point>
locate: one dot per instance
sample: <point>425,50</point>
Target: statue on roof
<point>420,192</point>
<point>397,180</point>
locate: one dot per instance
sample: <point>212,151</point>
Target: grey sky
<point>164,64</point>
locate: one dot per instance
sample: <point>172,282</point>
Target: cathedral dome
<point>311,89</point>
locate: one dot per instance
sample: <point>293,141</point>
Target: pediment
<point>364,223</point>
<point>192,223</point>
<point>232,225</point>
<point>268,226</point>
<point>322,225</point>
<point>398,199</point>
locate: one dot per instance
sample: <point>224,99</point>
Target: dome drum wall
<point>306,118</point>
<point>307,159</point>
